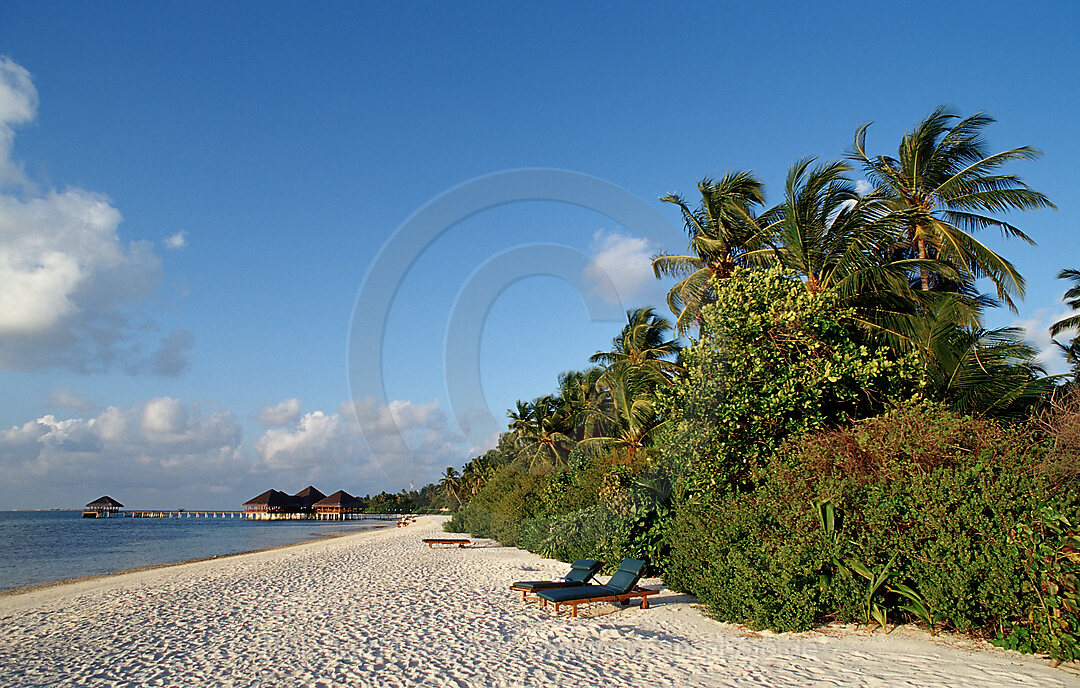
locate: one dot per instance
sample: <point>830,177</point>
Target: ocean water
<point>45,546</point>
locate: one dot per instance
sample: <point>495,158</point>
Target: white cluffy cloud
<point>364,444</point>
<point>160,452</point>
<point>18,105</point>
<point>626,262</point>
<point>70,289</point>
<point>164,453</point>
<point>279,414</point>
<point>1037,332</point>
<point>176,241</point>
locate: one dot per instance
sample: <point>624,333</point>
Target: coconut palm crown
<point>944,186</point>
<point>721,230</point>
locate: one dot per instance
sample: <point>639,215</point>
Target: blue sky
<point>194,352</point>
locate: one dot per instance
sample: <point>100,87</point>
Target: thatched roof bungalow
<point>272,501</point>
<point>274,505</point>
<point>341,502</point>
<point>102,507</point>
<point>307,497</point>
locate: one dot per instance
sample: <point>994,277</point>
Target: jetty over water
<point>309,504</point>
<point>253,516</point>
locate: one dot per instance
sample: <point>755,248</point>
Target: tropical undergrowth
<point>842,440</point>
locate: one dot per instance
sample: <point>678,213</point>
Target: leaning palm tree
<point>632,419</point>
<point>829,235</point>
<point>721,229</point>
<point>642,345</point>
<point>449,483</point>
<point>944,186</point>
<point>834,239</point>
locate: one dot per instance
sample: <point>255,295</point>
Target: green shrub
<point>953,508</point>
<point>569,536</point>
<point>500,509</point>
<point>773,361</point>
<point>1050,620</point>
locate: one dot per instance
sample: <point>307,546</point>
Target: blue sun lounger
<point>622,588</point>
<point>581,571</point>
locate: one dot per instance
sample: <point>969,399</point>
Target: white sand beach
<point>381,609</point>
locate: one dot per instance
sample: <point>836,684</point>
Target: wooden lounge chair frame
<point>643,593</point>
<point>622,587</point>
<point>431,542</point>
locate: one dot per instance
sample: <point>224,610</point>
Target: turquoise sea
<point>45,546</point>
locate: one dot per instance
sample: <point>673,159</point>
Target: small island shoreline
<point>377,607</point>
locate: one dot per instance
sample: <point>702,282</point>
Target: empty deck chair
<point>621,588</point>
<point>581,571</point>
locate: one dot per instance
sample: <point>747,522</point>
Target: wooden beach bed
<point>431,542</point>
<point>622,588</point>
<point>623,599</point>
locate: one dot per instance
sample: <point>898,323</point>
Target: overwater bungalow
<point>103,507</point>
<point>307,498</point>
<point>337,506</point>
<point>271,505</point>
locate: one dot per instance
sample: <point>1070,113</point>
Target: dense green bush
<point>581,534</point>
<point>952,509</point>
<point>773,360</point>
<point>592,510</point>
<point>501,508</point>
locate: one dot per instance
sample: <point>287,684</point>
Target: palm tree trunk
<point>924,276</point>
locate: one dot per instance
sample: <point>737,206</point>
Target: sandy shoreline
<point>378,608</point>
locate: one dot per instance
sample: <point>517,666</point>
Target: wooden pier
<point>252,515</point>
<point>182,513</point>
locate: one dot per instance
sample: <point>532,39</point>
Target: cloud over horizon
<point>364,444</point>
<point>282,413</point>
<point>158,447</point>
<point>164,453</point>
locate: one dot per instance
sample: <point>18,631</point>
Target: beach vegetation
<point>837,436</point>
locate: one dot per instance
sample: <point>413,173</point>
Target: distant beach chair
<point>581,571</point>
<point>431,542</point>
<point>622,587</point>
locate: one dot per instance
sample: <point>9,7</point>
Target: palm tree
<point>944,186</point>
<point>632,417</point>
<point>545,442</point>
<point>1072,296</point>
<point>829,235</point>
<point>835,239</point>
<point>519,422</point>
<point>449,483</point>
<point>642,345</point>
<point>721,229</point>
<point>977,370</point>
<point>583,402</point>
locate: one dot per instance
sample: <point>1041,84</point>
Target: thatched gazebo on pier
<point>307,498</point>
<point>337,506</point>
<point>103,507</point>
<point>271,504</point>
